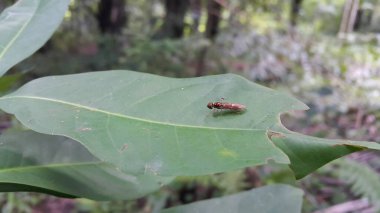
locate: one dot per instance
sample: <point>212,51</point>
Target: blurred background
<point>324,52</point>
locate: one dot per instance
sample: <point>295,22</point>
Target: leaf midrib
<point>122,115</point>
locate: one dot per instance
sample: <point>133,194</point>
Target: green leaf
<point>25,27</point>
<point>30,161</point>
<point>146,123</point>
<point>274,198</point>
<point>308,153</point>
<point>8,81</point>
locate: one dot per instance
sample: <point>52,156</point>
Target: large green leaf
<point>146,123</point>
<point>308,153</point>
<point>25,27</point>
<point>30,161</point>
<point>268,199</point>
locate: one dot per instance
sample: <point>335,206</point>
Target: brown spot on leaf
<point>272,134</point>
<point>124,147</point>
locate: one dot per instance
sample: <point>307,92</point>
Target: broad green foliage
<point>143,123</point>
<point>268,199</point>
<point>137,131</point>
<point>309,153</point>
<point>25,27</point>
<point>30,161</point>
<point>146,123</point>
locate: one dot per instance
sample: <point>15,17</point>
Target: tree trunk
<point>214,10</point>
<point>174,19</point>
<point>349,16</point>
<point>213,18</point>
<point>294,13</point>
<point>375,19</point>
<point>196,6</point>
<point>111,16</point>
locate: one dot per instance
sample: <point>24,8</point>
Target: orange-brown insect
<point>225,105</point>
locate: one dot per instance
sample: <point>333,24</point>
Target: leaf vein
<point>122,115</point>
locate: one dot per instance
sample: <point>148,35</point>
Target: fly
<point>226,106</point>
